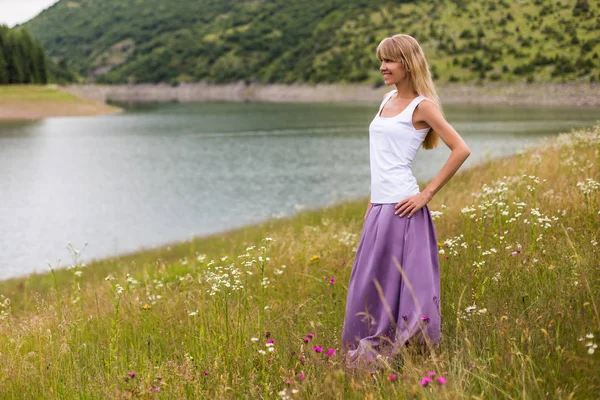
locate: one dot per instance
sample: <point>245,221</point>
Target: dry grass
<point>19,102</point>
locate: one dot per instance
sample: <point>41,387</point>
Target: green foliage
<point>22,58</point>
<point>114,41</point>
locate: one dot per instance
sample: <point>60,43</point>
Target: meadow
<point>258,312</point>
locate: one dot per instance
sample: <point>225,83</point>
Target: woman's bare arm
<point>430,114</point>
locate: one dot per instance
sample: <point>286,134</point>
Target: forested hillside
<point>175,41</point>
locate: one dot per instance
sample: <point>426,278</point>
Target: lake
<point>165,173</point>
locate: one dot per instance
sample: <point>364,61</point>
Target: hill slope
<point>319,40</point>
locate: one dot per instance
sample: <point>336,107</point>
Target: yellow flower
<point>146,307</point>
<point>550,267</point>
<point>315,258</point>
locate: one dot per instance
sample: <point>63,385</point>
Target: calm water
<point>166,173</point>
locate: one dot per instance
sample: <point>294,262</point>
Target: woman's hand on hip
<point>412,204</point>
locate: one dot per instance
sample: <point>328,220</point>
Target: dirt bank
<point>584,95</point>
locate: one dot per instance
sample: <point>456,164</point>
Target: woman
<point>394,291</point>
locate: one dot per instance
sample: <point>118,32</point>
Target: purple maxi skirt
<point>386,307</point>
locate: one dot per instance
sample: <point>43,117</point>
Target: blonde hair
<point>405,49</point>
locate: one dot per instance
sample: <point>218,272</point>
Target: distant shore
<point>30,102</point>
<point>537,94</point>
<point>23,102</point>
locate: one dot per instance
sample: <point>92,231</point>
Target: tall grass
<point>257,313</point>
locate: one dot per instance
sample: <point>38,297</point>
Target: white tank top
<point>393,143</point>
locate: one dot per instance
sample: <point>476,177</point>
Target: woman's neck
<point>405,90</point>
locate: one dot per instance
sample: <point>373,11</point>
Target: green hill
<point>117,41</point>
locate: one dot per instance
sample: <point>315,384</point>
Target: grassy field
<point>36,102</point>
<point>244,314</point>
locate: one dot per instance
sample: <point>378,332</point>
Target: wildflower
<point>262,352</point>
<point>425,381</point>
<point>288,382</point>
<point>193,313</point>
<point>589,336</point>
<point>205,372</point>
<point>271,341</point>
<point>315,258</point>
<point>513,254</point>
<point>332,280</point>
<point>132,374</point>
<point>306,339</point>
<point>146,307</point>
<point>294,391</point>
<point>318,349</point>
<point>267,334</point>
<point>330,352</point>
<point>301,377</point>
<point>254,339</point>
<point>78,273</point>
<point>392,377</point>
<point>310,336</point>
<point>431,374</point>
<point>441,380</point>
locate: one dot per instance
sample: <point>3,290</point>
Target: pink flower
<point>518,250</point>
<point>431,374</point>
<point>205,372</point>
<point>425,318</point>
<point>306,339</point>
<point>271,341</point>
<point>392,377</point>
<point>330,352</point>
<point>301,377</point>
<point>132,374</point>
<point>318,349</point>
<point>513,254</point>
<point>267,334</point>
<point>288,382</point>
<point>441,380</point>
<point>332,280</point>
<point>310,336</point>
<point>425,381</point>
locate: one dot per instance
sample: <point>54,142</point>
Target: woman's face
<point>392,71</point>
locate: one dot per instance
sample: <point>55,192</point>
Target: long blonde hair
<point>405,49</point>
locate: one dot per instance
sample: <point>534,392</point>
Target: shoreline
<point>23,102</point>
<point>35,102</point>
<point>511,94</point>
